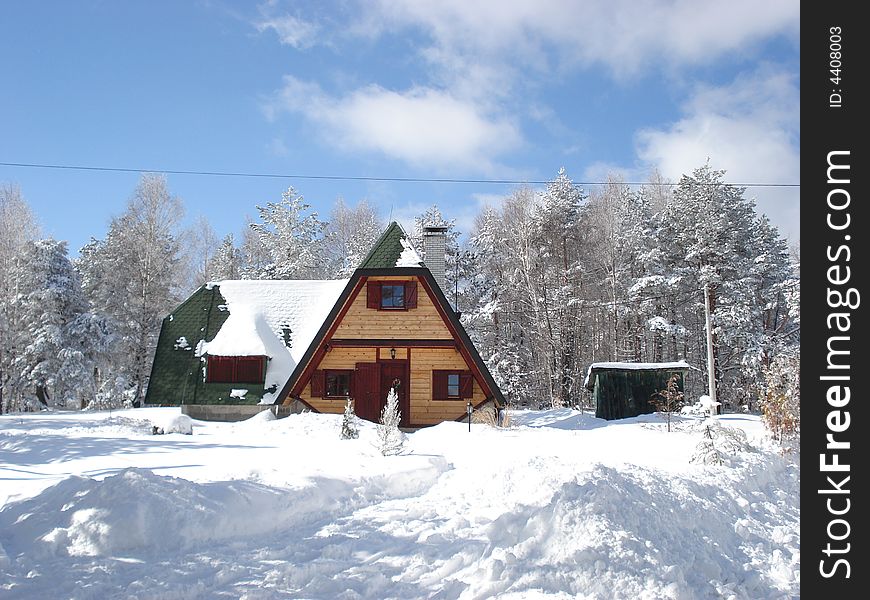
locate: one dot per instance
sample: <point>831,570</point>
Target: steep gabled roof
<point>386,252</point>
<point>353,287</point>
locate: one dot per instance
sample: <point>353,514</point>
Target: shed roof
<point>680,365</point>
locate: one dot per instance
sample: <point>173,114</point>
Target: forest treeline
<point>547,281</point>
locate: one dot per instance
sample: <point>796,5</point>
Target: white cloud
<point>748,128</point>
<point>421,126</point>
<point>291,31</point>
<point>622,35</point>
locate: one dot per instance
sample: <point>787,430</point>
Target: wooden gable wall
<point>423,322</point>
<point>366,335</point>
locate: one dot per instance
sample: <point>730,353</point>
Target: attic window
<point>235,369</point>
<point>391,295</point>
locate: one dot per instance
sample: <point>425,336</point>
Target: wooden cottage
<point>623,389</point>
<point>236,346</point>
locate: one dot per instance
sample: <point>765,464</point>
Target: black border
<point>827,128</point>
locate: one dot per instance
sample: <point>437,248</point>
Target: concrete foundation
<point>237,412</point>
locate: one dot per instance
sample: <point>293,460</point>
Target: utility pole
<point>711,372</point>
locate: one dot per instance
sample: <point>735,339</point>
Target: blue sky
<point>394,89</point>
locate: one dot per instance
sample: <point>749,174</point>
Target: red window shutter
<point>439,385</point>
<point>373,295</point>
<point>249,369</point>
<point>317,384</point>
<point>411,294</point>
<point>219,369</point>
<point>466,385</point>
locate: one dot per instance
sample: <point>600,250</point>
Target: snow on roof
<point>409,256</point>
<point>633,366</point>
<point>260,311</point>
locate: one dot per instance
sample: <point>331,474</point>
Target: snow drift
<point>561,505</point>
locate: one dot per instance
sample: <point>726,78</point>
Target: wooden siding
<point>422,322</point>
<point>424,410</point>
<point>337,358</point>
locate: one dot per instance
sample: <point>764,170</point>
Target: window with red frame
<point>391,295</point>
<point>331,383</point>
<point>452,385</point>
<point>236,369</point>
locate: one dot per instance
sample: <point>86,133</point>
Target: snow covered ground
<point>559,505</point>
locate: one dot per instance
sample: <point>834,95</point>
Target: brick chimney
<point>435,253</point>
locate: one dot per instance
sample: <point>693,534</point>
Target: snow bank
<point>627,534</point>
<point>562,418</point>
<point>137,512</point>
<point>561,505</point>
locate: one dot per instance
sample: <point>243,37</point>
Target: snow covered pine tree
<point>349,430</point>
<point>390,439</point>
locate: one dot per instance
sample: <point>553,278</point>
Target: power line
<point>352,177</point>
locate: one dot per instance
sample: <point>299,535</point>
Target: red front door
<point>371,385</point>
<point>394,374</point>
<point>366,392</point>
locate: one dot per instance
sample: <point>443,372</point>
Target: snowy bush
<point>390,439</point>
<point>729,439</point>
<point>349,430</point>
<point>718,442</point>
<point>706,452</point>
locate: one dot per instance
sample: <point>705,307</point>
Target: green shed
<point>624,389</point>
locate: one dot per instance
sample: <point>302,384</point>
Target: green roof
<point>387,250</point>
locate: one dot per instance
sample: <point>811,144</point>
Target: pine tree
<point>292,238</point>
<point>709,235</point>
<point>706,452</point>
<point>254,255</point>
<point>349,430</point>
<point>59,341</point>
<point>391,440</point>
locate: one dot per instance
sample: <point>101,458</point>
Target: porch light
<point>469,409</point>
<point>393,353</point>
